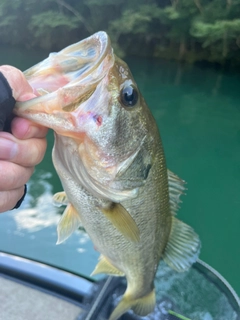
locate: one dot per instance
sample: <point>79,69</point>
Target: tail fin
<point>141,306</point>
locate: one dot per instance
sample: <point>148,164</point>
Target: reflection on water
<point>37,213</point>
<point>31,231</point>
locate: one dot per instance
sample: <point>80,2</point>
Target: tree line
<point>187,30</point>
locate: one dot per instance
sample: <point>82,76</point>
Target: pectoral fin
<point>69,222</point>
<point>183,247</point>
<point>123,221</point>
<point>60,198</point>
<point>104,266</point>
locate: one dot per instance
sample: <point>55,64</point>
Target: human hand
<point>20,150</point>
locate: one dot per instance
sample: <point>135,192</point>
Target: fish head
<point>64,81</point>
<point>89,95</point>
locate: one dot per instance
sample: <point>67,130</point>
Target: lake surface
<point>198,113</point>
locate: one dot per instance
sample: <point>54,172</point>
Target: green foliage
<point>189,30</point>
<point>213,32</point>
<point>41,23</point>
<point>134,22</point>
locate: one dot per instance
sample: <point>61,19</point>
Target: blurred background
<point>186,30</point>
<point>185,58</point>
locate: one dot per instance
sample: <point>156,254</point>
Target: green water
<point>198,113</point>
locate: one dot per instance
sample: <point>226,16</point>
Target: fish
<point>109,156</point>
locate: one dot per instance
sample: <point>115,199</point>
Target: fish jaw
<point>49,111</point>
<point>64,81</point>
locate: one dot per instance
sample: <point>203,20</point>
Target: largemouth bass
<point>110,159</point>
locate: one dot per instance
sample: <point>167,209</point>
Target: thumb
<point>21,89</point>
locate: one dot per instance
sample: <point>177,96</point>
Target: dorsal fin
<point>176,189</point>
<point>183,246</point>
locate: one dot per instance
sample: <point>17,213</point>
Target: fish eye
<point>129,96</point>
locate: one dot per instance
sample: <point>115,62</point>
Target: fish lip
<point>75,71</point>
<point>99,40</point>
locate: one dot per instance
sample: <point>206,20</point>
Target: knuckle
<point>8,199</point>
<point>31,152</point>
<point>13,176</point>
<point>40,149</point>
<point>39,131</point>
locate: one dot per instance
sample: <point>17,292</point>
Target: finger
<point>25,129</point>
<point>13,176</point>
<point>8,199</point>
<point>21,89</point>
<point>26,153</point>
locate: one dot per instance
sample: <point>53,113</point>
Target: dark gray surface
<point>21,302</point>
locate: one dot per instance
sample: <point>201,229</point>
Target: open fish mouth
<point>67,78</point>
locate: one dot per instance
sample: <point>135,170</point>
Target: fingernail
<point>8,149</point>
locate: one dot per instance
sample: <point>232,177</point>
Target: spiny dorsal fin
<point>176,189</point>
<point>69,222</point>
<point>183,246</point>
<point>122,221</point>
<point>104,266</point>
<point>60,199</point>
<point>141,306</point>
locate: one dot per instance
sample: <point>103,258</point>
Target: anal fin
<point>183,246</point>
<point>104,266</point>
<point>122,221</point>
<point>69,222</point>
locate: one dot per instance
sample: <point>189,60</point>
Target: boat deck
<point>19,301</point>
<point>30,290</point>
